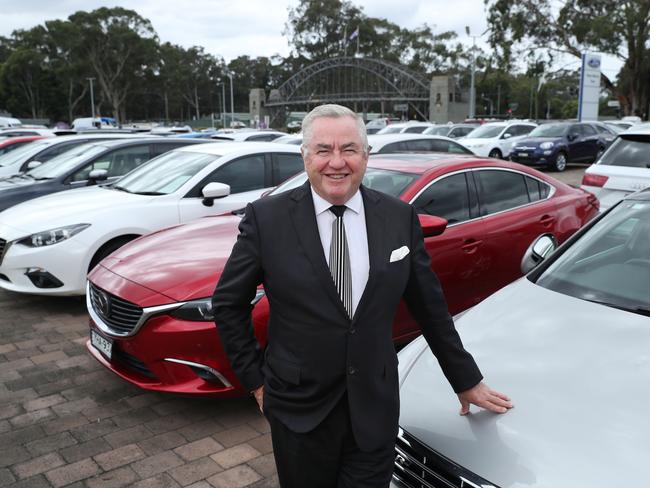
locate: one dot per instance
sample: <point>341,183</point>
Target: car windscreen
<point>549,130</point>
<point>628,150</point>
<point>22,154</point>
<point>391,130</point>
<point>386,181</point>
<point>487,131</point>
<point>64,162</point>
<point>441,130</point>
<point>609,264</point>
<point>166,173</point>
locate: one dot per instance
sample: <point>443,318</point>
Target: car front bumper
<point>59,269</point>
<point>163,353</point>
<point>537,157</point>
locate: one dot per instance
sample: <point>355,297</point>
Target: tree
<point>620,28</point>
<point>120,46</point>
<point>320,29</point>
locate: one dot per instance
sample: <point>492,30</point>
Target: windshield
<point>386,181</point>
<point>486,131</point>
<point>549,130</point>
<point>391,130</point>
<point>64,162</point>
<point>610,264</point>
<point>23,153</point>
<point>631,151</point>
<point>441,130</point>
<point>166,173</point>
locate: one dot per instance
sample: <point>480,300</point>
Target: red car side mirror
<point>432,225</point>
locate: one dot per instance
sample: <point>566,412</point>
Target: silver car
<point>569,343</point>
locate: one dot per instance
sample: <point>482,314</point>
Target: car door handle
<point>547,220</point>
<point>471,245</point>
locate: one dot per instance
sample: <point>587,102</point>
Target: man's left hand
<point>481,395</point>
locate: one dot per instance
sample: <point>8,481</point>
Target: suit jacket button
<point>352,330</point>
<point>352,370</point>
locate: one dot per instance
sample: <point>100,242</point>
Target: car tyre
<point>560,162</point>
<point>108,248</point>
<point>495,153</point>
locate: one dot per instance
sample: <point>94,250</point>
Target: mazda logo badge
<point>103,303</point>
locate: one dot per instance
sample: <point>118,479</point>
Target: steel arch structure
<point>349,80</point>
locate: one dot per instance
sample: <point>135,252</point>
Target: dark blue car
<point>556,145</point>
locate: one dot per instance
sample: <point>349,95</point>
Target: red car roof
<point>15,140</point>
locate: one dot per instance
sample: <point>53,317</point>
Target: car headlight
<point>477,144</point>
<point>52,236</point>
<point>201,310</point>
<point>546,145</point>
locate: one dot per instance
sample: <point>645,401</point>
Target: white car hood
<point>578,374</point>
<point>85,205</point>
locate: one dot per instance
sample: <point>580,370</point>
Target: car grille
<point>119,315</point>
<point>418,466</point>
<point>3,248</point>
<point>131,362</point>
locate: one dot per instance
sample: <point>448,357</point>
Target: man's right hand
<point>259,397</point>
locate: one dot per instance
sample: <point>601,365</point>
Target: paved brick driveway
<point>65,421</point>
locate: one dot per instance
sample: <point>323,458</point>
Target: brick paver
<point>67,422</point>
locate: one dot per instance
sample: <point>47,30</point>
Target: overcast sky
<point>230,28</point>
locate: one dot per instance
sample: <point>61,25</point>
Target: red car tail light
<point>594,180</point>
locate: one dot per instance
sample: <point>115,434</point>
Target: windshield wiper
<point>148,193</point>
<point>119,188</point>
<point>639,310</point>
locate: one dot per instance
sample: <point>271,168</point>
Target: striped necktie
<point>340,259</point>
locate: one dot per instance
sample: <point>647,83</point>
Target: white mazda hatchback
<point>48,245</point>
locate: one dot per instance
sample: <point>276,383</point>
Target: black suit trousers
<point>328,456</point>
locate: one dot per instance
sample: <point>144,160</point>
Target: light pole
<point>223,103</point>
<point>232,101</point>
<point>472,87</point>
<point>92,97</point>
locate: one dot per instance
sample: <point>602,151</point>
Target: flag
<point>354,35</point>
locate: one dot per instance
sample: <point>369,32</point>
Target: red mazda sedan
<point>149,302</point>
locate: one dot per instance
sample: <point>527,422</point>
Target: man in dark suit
<point>335,259</point>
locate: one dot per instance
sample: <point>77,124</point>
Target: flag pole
<point>358,36</point>
<point>345,41</point>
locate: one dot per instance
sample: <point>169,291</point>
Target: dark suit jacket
<point>315,353</point>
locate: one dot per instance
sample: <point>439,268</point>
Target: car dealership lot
<point>65,421</point>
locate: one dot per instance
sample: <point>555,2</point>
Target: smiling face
<point>335,158</point>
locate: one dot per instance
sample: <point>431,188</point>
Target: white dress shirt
<point>354,220</point>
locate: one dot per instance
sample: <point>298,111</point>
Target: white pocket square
<point>399,254</point>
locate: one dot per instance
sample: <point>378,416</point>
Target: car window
<point>56,149</point>
<point>166,173</point>
<point>394,147</point>
<point>162,147</point>
<point>116,163</point>
<point>609,264</point>
<point>575,129</point>
<point>285,166</point>
<point>11,147</point>
<point>603,129</point>
<point>460,131</point>
<point>630,151</point>
<point>537,190</point>
<point>501,190</point>
<point>447,198</point>
<point>243,174</point>
<point>587,130</point>
<point>418,129</point>
<point>263,137</point>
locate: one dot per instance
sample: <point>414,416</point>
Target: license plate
<point>522,155</point>
<point>103,345</point>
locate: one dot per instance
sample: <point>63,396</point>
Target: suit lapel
<point>303,216</point>
<point>376,245</point>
